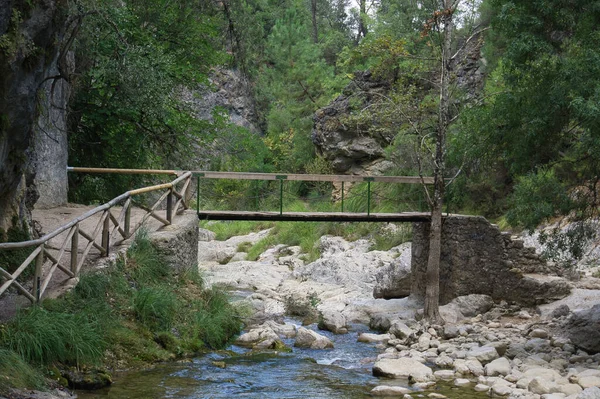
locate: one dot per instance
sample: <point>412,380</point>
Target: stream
<point>342,372</point>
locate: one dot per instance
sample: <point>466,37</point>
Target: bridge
<point>474,251</point>
<point>64,251</point>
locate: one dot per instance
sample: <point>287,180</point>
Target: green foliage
<point>131,58</point>
<point>155,307</point>
<point>43,337</point>
<point>228,229</point>
<point>537,197</point>
<point>16,373</point>
<point>11,259</point>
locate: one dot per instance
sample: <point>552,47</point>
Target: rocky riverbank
<point>507,350</point>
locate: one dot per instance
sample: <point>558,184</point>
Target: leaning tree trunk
<point>432,291</point>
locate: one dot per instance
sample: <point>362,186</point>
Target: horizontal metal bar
<point>315,216</point>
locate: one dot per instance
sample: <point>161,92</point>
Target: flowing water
<point>343,372</point>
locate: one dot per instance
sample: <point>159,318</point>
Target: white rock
<point>424,341</point>
<point>484,354</point>
<point>481,388</point>
<point>462,382</point>
<point>589,381</point>
<point>306,338</point>
<point>539,333</point>
<point>501,390</point>
<point>401,330</point>
<point>570,389</point>
<point>444,361</point>
<point>444,374</point>
<point>475,367</point>
<point>403,368</point>
<point>386,390</point>
<point>333,321</point>
<point>554,396</point>
<point>374,338</point>
<point>590,393</point>
<point>436,395</point>
<point>542,386</point>
<point>500,366</point>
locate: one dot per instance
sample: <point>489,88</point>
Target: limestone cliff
<point>30,39</point>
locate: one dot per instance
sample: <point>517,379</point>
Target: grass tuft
<point>43,337</point>
<point>15,373</point>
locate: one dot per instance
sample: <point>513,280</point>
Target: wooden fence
<point>112,230</point>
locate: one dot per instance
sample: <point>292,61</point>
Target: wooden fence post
<point>128,221</point>
<point>37,277</point>
<point>74,249</point>
<point>106,234</point>
<point>170,206</point>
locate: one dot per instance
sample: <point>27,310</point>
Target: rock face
<point>50,141</point>
<point>229,90</point>
<point>353,148</point>
<point>22,71</point>
<point>178,242</point>
<point>477,258</point>
<point>584,329</point>
<point>393,280</point>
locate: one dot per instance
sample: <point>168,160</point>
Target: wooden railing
<point>112,231</point>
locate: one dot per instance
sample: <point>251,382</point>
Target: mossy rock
<point>87,379</point>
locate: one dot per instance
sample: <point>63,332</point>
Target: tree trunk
<point>315,28</point>
<point>362,24</point>
<point>432,291</point>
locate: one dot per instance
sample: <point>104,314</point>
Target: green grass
<point>155,307</point>
<point>131,313</point>
<point>228,229</point>
<point>43,337</point>
<point>16,373</point>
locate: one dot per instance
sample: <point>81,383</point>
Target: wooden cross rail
<point>121,226</point>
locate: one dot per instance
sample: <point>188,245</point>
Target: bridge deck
<point>315,216</point>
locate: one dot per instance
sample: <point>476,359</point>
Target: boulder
<point>306,338</point>
<point>407,368</point>
<point>386,390</point>
<point>400,330</point>
<point>484,354</point>
<point>583,328</point>
<point>333,321</point>
<point>589,393</point>
<point>393,280</point>
<point>262,337</point>
<point>500,366</point>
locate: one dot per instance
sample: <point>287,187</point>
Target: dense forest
<point>519,109</point>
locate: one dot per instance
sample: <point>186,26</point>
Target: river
<point>342,372</point>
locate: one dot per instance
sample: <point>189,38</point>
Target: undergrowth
<point>133,312</point>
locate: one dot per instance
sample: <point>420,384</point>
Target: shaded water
<point>343,372</point>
